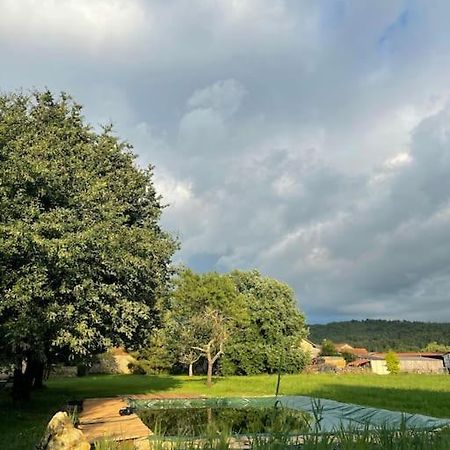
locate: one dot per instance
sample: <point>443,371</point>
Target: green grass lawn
<point>21,427</point>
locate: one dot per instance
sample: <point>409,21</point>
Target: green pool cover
<point>333,415</point>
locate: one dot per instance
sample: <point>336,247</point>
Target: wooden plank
<point>100,419</point>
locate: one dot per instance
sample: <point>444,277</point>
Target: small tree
<point>190,358</point>
<point>212,333</point>
<point>392,362</point>
<point>349,357</point>
<point>187,355</point>
<point>328,348</point>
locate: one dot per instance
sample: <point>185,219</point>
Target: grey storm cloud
<point>309,139</point>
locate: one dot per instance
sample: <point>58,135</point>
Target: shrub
<point>392,362</point>
<point>82,370</point>
<point>137,368</point>
<point>105,363</point>
<point>328,348</point>
<point>349,357</point>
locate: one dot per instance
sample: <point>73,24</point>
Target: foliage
<point>271,338</point>
<point>435,347</point>
<point>82,256</point>
<point>194,422</point>
<point>392,362</point>
<point>203,310</point>
<point>343,439</point>
<point>328,348</point>
<point>349,357</point>
<point>381,335</point>
<point>210,332</point>
<point>104,363</point>
<point>262,322</point>
<point>154,358</point>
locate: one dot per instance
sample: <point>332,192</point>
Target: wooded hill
<point>380,335</point>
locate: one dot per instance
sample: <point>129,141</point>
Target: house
<point>378,365</point>
<point>446,360</point>
<point>359,352</point>
<point>343,348</point>
<point>411,362</point>
<point>311,348</point>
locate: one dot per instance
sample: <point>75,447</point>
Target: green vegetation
<point>202,421</point>
<point>345,439</point>
<point>251,322</point>
<point>392,362</point>
<point>436,347</point>
<point>83,258</point>
<point>328,349</point>
<point>382,335</point>
<point>21,426</point>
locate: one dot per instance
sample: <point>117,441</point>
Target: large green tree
<point>271,340</point>
<point>82,256</point>
<point>204,310</point>
<point>250,321</point>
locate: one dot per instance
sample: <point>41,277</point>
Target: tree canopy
<point>328,348</point>
<point>382,335</point>
<point>261,320</point>
<point>272,339</point>
<point>82,256</point>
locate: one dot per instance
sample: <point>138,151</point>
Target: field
<point>21,427</point>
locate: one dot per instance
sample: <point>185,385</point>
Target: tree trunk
<point>24,382</point>
<point>191,369</point>
<point>210,371</point>
<point>34,373</point>
<point>21,388</point>
<point>38,375</point>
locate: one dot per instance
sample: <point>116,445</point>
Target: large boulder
<point>61,434</point>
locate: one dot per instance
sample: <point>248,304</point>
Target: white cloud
<point>87,23</point>
<point>225,97</point>
<point>280,140</point>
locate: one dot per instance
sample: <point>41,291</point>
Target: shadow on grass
<point>414,400</point>
<point>21,427</point>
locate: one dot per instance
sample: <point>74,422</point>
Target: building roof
<point>359,362</point>
<point>311,343</point>
<point>407,355</point>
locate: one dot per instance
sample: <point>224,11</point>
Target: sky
<point>308,139</point>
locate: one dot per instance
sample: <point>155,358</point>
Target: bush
<point>328,348</point>
<point>105,363</point>
<point>137,368</point>
<point>82,370</point>
<point>349,357</point>
<point>392,362</point>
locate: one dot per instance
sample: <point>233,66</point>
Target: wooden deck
<point>100,419</point>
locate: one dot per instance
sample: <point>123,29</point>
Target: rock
<point>62,435</point>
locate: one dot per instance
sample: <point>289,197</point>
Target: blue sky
<point>309,139</point>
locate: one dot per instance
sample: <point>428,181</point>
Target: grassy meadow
<point>21,427</point>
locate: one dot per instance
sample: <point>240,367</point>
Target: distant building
<point>446,360</point>
<point>420,362</point>
<point>335,361</point>
<point>310,347</point>
<point>343,347</point>
<point>356,351</point>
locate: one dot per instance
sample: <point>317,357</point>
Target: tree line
<point>383,335</point>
